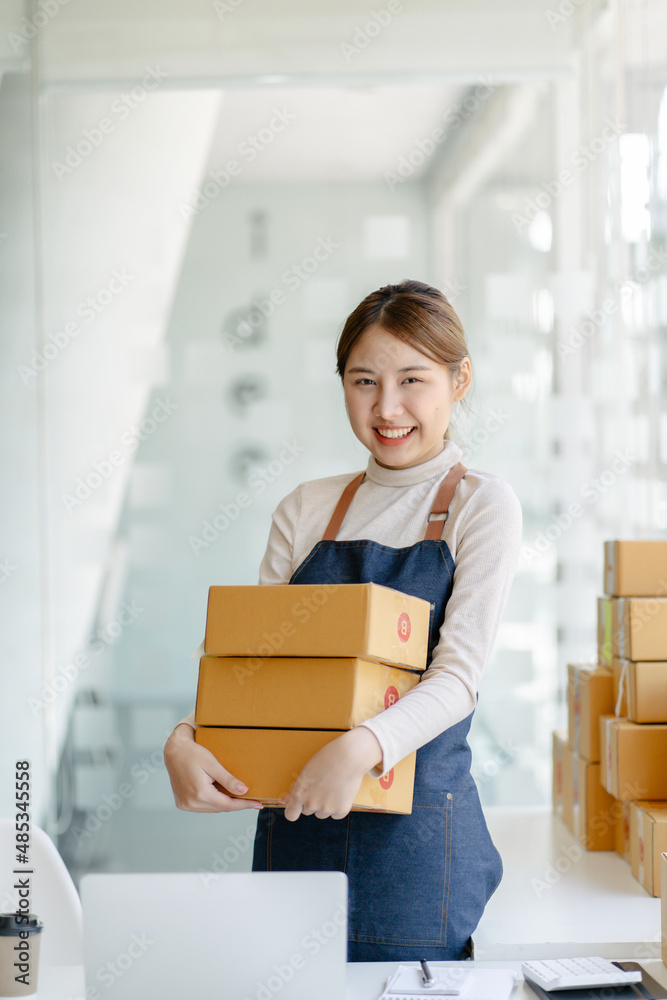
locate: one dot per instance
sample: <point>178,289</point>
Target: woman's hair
<point>415,313</point>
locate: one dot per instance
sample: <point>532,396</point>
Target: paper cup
<point>20,936</point>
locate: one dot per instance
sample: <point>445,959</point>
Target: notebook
<point>242,936</point>
<point>478,984</point>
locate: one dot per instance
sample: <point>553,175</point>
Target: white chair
<point>53,895</point>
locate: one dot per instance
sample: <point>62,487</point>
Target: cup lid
<point>13,924</point>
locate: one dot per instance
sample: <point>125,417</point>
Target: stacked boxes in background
<point>648,840</point>
<point>287,669</point>
<point>592,818</point>
<point>617,710</point>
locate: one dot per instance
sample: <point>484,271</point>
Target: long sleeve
<point>276,566</point>
<point>485,562</point>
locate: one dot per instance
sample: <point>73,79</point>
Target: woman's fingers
<point>199,782</point>
<point>293,808</point>
<point>221,775</point>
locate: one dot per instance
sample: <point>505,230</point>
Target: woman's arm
<point>485,562</point>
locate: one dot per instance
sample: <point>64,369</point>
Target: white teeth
<point>394,433</point>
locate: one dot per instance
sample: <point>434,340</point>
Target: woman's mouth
<point>393,435</point>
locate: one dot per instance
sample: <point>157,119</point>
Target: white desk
<point>364,980</point>
<point>555,900</point>
<point>558,900</point>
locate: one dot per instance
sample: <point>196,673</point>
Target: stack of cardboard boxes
<point>610,775</point>
<point>287,669</point>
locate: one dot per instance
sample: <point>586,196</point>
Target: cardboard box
<point>270,760</point>
<point>559,741</point>
<point>622,829</point>
<point>297,692</point>
<point>635,569</point>
<point>633,759</point>
<point>605,631</point>
<point>644,689</point>
<point>620,706</point>
<point>593,812</point>
<point>590,694</point>
<point>663,881</point>
<point>648,839</point>
<point>568,773</point>
<point>351,619</point>
<point>641,628</point>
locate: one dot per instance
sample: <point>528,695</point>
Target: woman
<point>418,521</point>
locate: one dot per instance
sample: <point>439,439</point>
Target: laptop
<point>238,936</point>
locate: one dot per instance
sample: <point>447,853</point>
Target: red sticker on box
<point>390,696</point>
<point>404,626</point>
<point>387,779</point>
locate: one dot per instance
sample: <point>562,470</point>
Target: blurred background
<point>193,196</point>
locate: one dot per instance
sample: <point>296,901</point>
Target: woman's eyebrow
<point>410,368</point>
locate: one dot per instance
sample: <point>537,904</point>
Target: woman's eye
<point>369,381</point>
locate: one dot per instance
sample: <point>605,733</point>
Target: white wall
<point>21,509</point>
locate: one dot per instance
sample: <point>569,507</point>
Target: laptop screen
<point>238,936</point>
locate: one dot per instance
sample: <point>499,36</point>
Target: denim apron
<point>418,884</point>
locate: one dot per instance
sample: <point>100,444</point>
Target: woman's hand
<point>194,773</point>
<point>330,780</point>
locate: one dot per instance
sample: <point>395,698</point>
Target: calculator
<point>578,973</point>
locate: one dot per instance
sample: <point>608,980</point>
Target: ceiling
<point>329,40</point>
<point>334,133</point>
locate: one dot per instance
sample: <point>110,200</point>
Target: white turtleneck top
<point>391,507</point>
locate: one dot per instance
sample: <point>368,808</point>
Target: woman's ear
<point>463,380</point>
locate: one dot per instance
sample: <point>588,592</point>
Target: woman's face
<point>399,401</point>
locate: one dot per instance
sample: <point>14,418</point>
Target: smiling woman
<point>418,883</point>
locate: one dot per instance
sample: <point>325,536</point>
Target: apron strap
<point>440,504</point>
<point>442,501</point>
<point>339,513</point>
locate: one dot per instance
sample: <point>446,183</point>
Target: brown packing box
<point>633,759</point>
<point>351,619</point>
<point>620,708</point>
<point>605,630</point>
<point>644,689</point>
<point>663,879</point>
<point>622,836</point>
<point>568,773</point>
<point>296,693</point>
<point>648,839</point>
<point>559,741</point>
<point>593,808</point>
<point>270,760</point>
<point>635,569</point>
<point>590,695</point>
<point>641,628</point>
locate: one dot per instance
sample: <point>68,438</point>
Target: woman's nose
<point>388,403</point>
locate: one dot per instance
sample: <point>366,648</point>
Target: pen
<point>427,978</point>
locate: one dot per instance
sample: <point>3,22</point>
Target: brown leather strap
<point>339,513</point>
<point>441,504</point>
<point>442,501</point>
